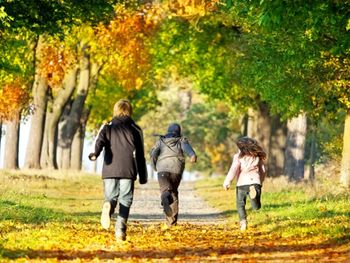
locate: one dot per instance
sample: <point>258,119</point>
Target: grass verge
<point>320,210</point>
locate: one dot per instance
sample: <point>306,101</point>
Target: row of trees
<point>279,69</point>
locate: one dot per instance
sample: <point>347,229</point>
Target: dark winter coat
<point>122,141</point>
<point>168,154</point>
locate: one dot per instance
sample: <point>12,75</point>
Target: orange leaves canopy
<point>123,41</point>
<point>13,98</point>
<point>56,58</point>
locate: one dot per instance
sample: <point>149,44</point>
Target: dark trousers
<point>169,184</point>
<point>241,197</point>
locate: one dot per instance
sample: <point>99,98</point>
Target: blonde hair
<point>122,108</point>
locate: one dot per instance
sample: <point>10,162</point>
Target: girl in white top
<point>249,170</point>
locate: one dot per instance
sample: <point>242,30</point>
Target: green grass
<point>52,216</point>
<point>288,210</point>
<point>35,198</point>
<point>39,211</point>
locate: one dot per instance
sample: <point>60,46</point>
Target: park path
<point>146,207</point>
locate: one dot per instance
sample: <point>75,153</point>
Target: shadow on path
<point>324,252</point>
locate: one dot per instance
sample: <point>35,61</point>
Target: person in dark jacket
<point>122,142</point>
<point>168,159</point>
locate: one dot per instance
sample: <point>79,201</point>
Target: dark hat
<point>174,129</point>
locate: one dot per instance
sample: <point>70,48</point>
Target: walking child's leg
<point>175,180</point>
<point>110,187</point>
<point>126,195</point>
<point>165,194</point>
<point>241,197</point>
<point>256,202</point>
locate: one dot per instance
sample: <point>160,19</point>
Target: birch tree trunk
<point>12,144</point>
<point>39,93</point>
<point>295,148</point>
<point>345,163</point>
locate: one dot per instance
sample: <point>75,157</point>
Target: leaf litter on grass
<point>281,234</point>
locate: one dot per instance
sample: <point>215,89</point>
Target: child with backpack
<point>249,170</point>
<point>168,160</point>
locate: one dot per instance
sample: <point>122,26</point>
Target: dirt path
<point>146,207</point>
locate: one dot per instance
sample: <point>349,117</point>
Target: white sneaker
<point>243,225</point>
<point>105,218</point>
<point>252,192</point>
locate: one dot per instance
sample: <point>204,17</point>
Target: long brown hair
<point>249,146</point>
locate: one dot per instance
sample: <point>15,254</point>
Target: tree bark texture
<point>12,144</point>
<point>78,143</point>
<point>244,125</point>
<point>295,148</point>
<point>61,124</point>
<point>39,93</point>
<point>277,146</point>
<point>0,136</point>
<point>345,163</point>
<point>53,116</point>
<point>312,154</point>
<point>73,120</point>
<point>259,128</point>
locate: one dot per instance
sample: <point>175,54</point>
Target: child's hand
<point>193,159</point>
<point>92,157</point>
<point>226,186</point>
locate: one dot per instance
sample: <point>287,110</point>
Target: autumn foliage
<point>56,59</point>
<point>56,219</point>
<point>14,97</point>
<point>124,42</point>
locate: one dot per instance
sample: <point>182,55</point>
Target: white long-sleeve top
<point>248,170</point>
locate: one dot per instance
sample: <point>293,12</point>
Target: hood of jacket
<point>170,141</point>
<point>122,119</point>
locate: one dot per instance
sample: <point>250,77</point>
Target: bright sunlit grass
<point>319,210</point>
<point>50,216</point>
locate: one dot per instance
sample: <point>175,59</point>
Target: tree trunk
<point>264,128</point>
<point>12,144</point>
<point>64,156</point>
<point>277,147</point>
<point>61,124</point>
<point>252,123</point>
<point>345,163</point>
<point>53,116</point>
<point>295,150</point>
<point>244,125</point>
<point>40,89</point>
<point>78,143</point>
<point>0,136</point>
<point>73,120</point>
<point>259,127</point>
<point>312,154</point>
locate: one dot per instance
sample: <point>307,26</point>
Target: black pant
<point>241,197</point>
<point>169,183</point>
